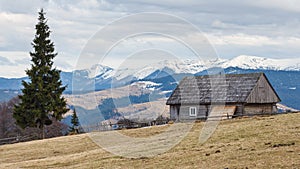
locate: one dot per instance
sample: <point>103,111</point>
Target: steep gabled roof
<point>229,88</point>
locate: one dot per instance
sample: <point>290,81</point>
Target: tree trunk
<point>43,132</point>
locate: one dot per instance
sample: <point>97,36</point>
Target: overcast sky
<point>268,28</point>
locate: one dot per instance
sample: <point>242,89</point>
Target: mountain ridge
<point>195,66</point>
<point>284,77</point>
<point>187,66</point>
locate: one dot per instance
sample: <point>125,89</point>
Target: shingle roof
<point>229,88</point>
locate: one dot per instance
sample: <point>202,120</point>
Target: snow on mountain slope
<point>94,71</point>
<point>254,62</point>
<point>168,66</point>
<point>188,66</point>
<point>181,66</point>
<point>194,66</point>
<point>146,85</point>
<point>133,73</point>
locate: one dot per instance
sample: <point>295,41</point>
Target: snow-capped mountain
<point>242,61</point>
<point>167,73</point>
<point>102,76</point>
<point>254,62</point>
<point>162,77</point>
<point>189,66</point>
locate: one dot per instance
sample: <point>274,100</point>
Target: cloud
<point>5,61</point>
<point>22,61</point>
<point>14,58</point>
<point>22,6</point>
<point>16,31</point>
<point>265,28</point>
<point>288,5</point>
<point>243,40</point>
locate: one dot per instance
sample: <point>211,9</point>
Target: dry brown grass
<point>145,132</point>
<point>259,142</point>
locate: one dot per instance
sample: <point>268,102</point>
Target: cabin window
<point>193,111</point>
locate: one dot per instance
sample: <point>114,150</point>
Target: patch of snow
<point>146,85</point>
<point>165,92</point>
<point>285,108</point>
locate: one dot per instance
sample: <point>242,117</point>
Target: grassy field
<point>258,142</point>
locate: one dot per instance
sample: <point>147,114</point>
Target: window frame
<point>190,112</point>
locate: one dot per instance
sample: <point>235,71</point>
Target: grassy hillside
<point>258,142</point>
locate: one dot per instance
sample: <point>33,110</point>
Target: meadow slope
<point>257,142</point>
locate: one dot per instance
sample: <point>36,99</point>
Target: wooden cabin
<point>235,94</point>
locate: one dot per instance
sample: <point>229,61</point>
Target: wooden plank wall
<point>185,112</point>
<point>258,108</point>
<point>262,93</point>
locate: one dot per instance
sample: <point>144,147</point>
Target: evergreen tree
<point>75,123</point>
<point>42,99</point>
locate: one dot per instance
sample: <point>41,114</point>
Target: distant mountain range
<point>190,67</point>
<point>284,75</point>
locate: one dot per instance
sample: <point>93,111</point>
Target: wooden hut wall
<point>201,112</point>
<point>262,93</point>
<point>258,108</point>
<point>174,112</point>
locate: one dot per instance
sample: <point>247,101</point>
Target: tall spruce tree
<point>41,99</point>
<point>75,123</point>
